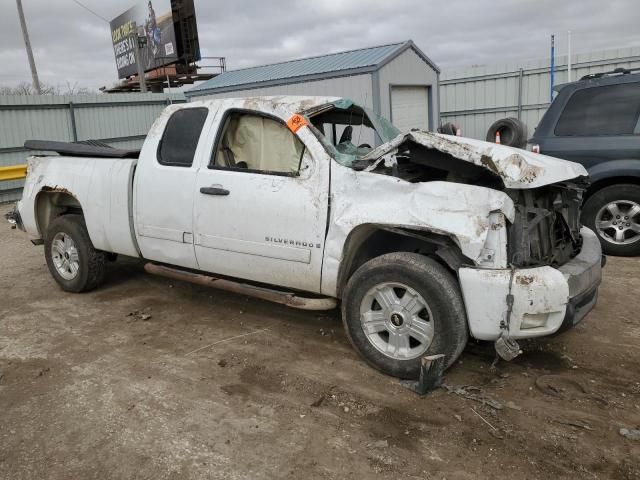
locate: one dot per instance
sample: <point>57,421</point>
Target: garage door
<point>410,108</point>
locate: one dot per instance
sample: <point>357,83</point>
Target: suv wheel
<point>400,307</point>
<point>72,260</point>
<point>614,214</point>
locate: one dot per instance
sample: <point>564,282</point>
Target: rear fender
<point>51,203</point>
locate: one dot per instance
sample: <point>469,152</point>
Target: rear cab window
<point>604,110</point>
<point>181,135</point>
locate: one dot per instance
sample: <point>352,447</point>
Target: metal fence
<point>475,97</point>
<point>120,120</point>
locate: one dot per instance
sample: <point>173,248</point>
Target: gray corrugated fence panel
<point>121,119</point>
<point>11,191</point>
<point>474,97</point>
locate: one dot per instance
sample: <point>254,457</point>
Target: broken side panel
<point>546,227</point>
<point>518,169</point>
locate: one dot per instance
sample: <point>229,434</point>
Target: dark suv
<point>594,121</point>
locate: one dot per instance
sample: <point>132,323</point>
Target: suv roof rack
<point>617,71</point>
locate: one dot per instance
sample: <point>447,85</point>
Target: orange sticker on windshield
<point>296,122</point>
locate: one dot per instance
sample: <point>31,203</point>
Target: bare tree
<point>75,89</point>
<point>25,88</point>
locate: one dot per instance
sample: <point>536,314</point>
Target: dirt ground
<point>149,378</point>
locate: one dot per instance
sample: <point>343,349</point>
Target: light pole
<point>552,70</point>
<point>27,44</point>
<point>140,42</point>
<point>569,56</point>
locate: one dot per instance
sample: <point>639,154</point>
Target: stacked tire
<point>513,132</point>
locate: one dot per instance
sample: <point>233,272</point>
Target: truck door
<point>260,211</point>
<point>164,186</point>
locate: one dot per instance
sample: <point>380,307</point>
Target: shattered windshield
<point>349,131</point>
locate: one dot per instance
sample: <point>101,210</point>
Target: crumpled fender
<point>518,168</point>
<point>459,211</point>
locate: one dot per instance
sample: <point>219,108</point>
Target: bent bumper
<point>545,299</point>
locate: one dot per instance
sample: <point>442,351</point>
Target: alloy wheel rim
<point>619,222</point>
<point>64,254</point>
<point>397,320</point>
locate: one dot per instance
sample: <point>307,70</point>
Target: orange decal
<point>296,122</point>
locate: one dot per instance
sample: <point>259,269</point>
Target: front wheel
<point>72,260</point>
<point>401,306</point>
<point>614,214</point>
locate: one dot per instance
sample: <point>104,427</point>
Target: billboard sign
<point>153,20</point>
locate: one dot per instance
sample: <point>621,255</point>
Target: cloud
<point>72,45</point>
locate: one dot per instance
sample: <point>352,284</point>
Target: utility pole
<point>27,44</point>
<point>139,44</point>
<point>569,56</point>
<point>552,70</point>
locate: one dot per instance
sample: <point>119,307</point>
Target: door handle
<point>214,190</point>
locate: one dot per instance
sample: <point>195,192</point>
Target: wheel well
<point>369,241</point>
<point>51,204</point>
<point>607,182</point>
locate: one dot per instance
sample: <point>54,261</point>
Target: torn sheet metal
<point>540,298</point>
<point>459,211</point>
<point>543,296</point>
<point>517,168</point>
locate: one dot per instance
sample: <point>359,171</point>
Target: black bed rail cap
<point>80,149</point>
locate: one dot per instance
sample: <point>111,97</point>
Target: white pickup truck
<point>425,239</point>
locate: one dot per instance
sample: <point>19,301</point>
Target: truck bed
<point>101,186</point>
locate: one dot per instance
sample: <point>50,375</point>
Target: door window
<point>608,110</point>
<point>180,139</point>
<point>256,143</point>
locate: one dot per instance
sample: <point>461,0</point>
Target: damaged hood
<point>517,168</point>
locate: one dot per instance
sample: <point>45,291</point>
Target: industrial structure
<point>156,46</point>
<point>474,97</point>
<point>397,81</point>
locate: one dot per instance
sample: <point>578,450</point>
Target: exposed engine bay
<point>546,227</point>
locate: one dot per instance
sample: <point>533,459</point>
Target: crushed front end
<point>553,274</point>
<point>530,269</point>
<point>546,227</point>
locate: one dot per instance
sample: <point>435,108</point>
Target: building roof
<point>352,62</point>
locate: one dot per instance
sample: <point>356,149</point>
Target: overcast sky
<point>72,45</point>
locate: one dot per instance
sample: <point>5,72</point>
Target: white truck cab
<point>424,238</point>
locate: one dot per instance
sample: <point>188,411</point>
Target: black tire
<point>448,129</point>
<point>602,198</point>
<point>513,132</point>
<point>91,262</point>
<point>438,288</point>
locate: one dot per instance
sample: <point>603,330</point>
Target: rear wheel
<point>614,214</point>
<point>400,307</point>
<point>72,260</point>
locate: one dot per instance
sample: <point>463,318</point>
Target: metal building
<point>397,81</point>
<point>475,97</point>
